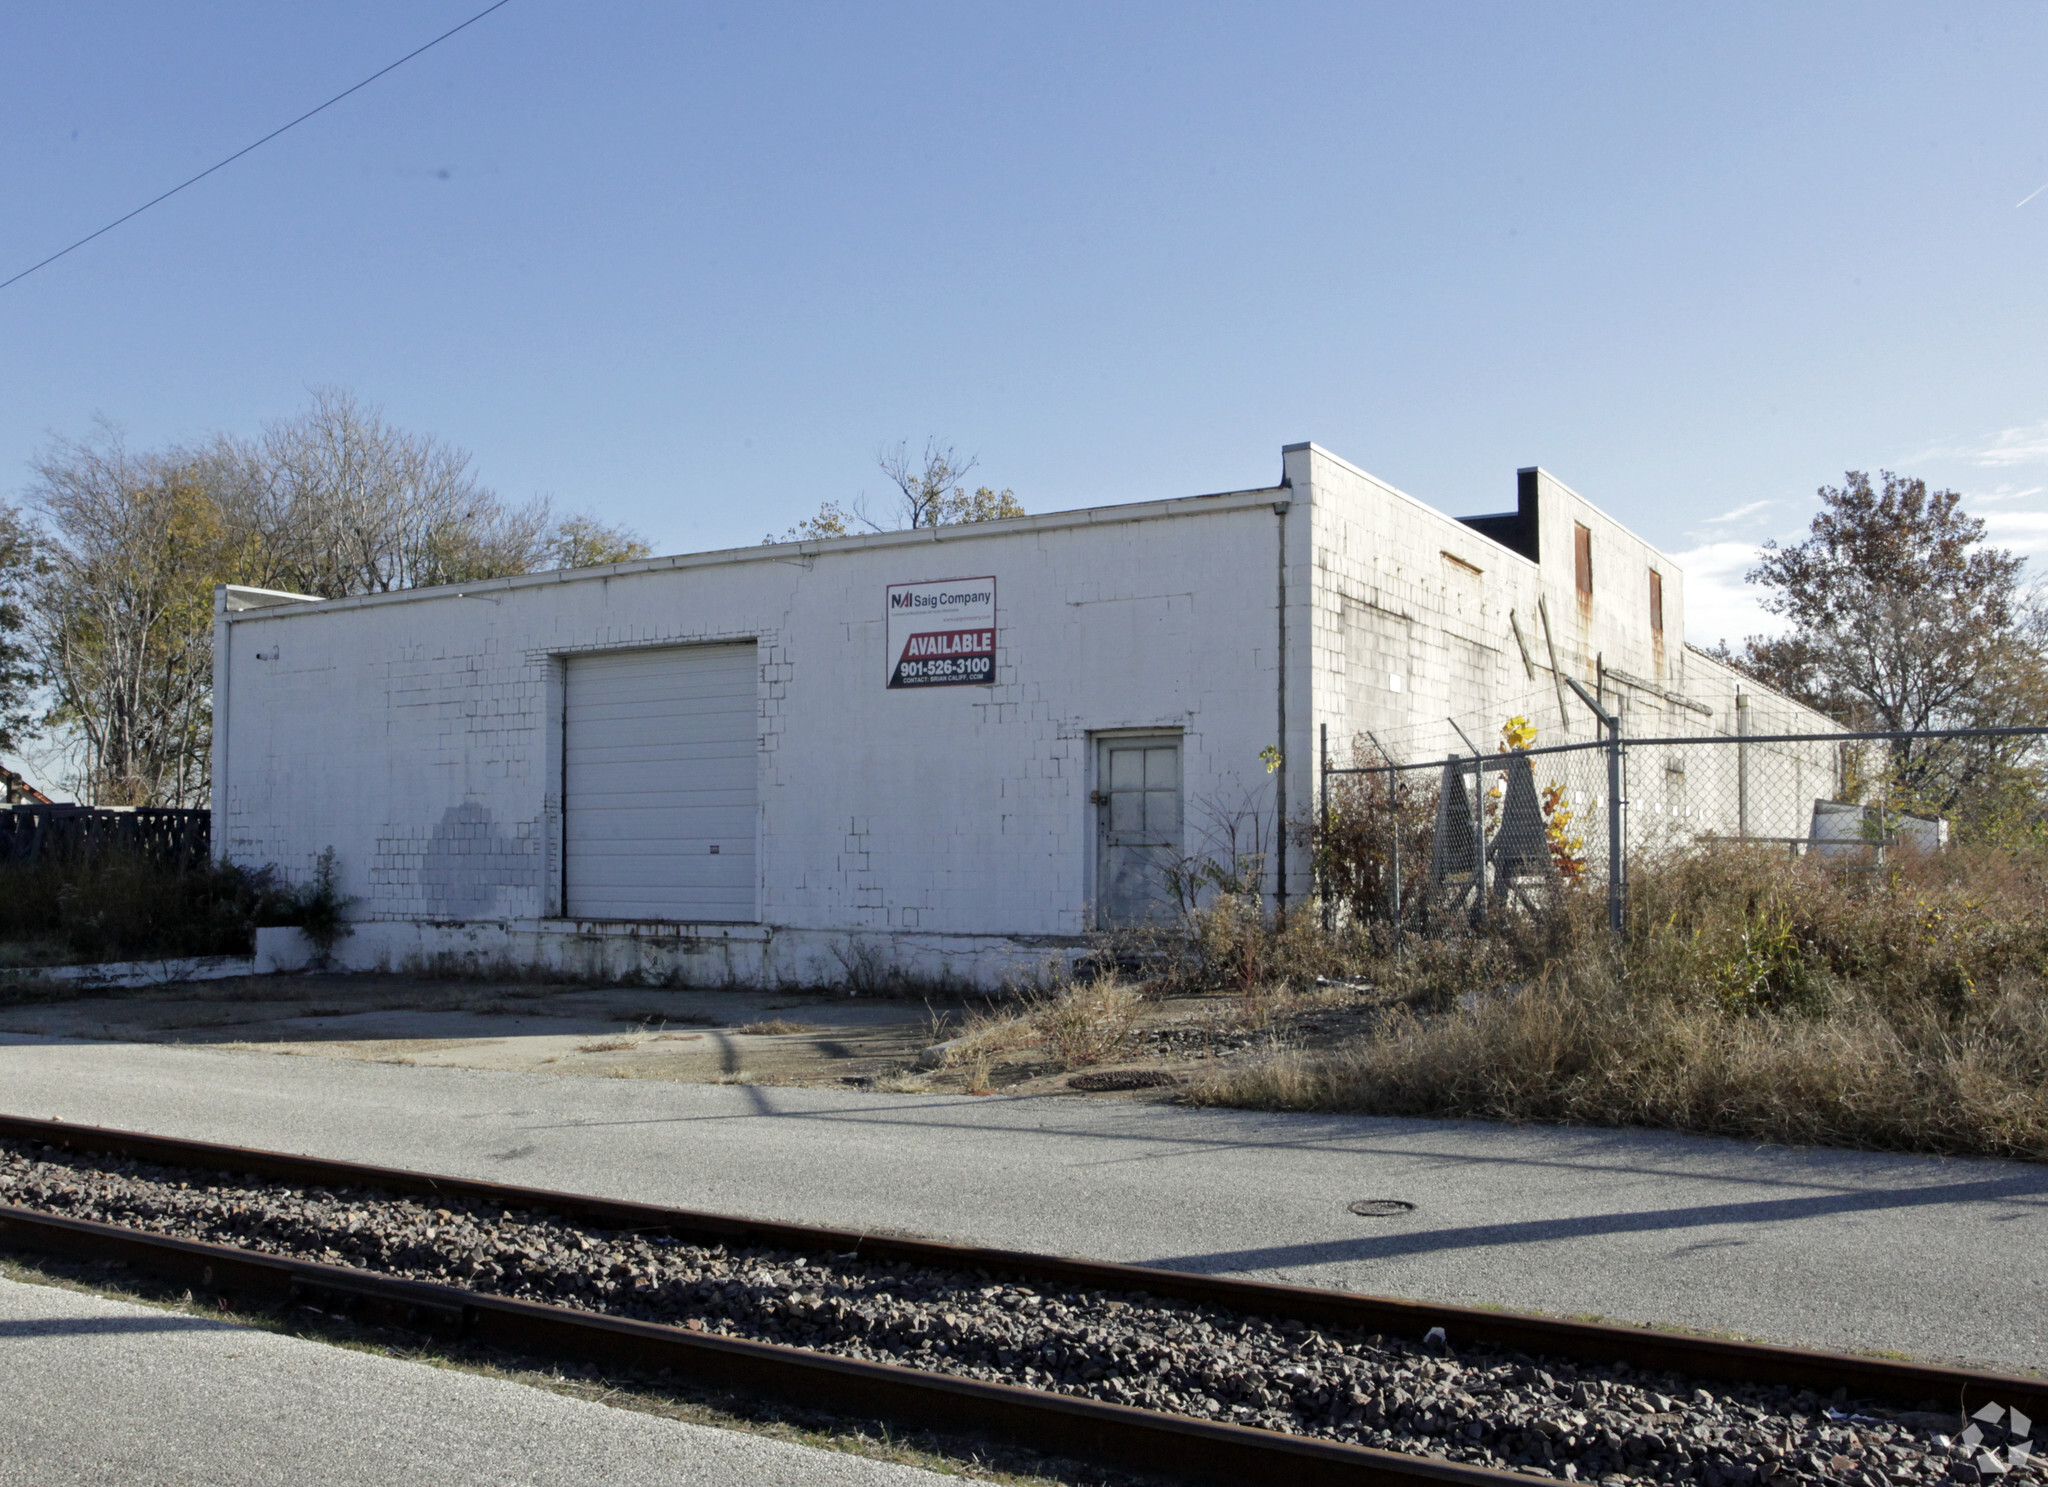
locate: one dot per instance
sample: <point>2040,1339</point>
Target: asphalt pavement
<point>1932,1258</point>
<point>94,1391</point>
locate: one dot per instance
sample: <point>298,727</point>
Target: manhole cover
<point>1381,1208</point>
<point>1110,1079</point>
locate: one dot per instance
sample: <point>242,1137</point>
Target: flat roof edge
<point>239,597</point>
<point>783,552</point>
<point>1450,522</point>
<point>1605,515</point>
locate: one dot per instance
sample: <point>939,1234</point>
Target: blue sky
<point>689,266</point>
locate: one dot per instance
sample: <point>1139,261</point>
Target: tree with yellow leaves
<point>934,494</point>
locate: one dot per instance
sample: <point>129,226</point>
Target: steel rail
<point>1091,1430</point>
<point>1057,1424</point>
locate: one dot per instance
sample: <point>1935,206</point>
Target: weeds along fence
<point>1451,843</point>
<point>41,833</point>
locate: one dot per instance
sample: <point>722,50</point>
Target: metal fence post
<point>1394,813</point>
<point>1479,837</point>
<point>1322,848</point>
<point>1478,826</point>
<point>1617,835</point>
<point>1617,838</point>
<point>1394,816</point>
<point>1742,725</point>
<point>1882,797</point>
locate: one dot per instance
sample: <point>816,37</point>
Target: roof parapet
<point>236,598</point>
<point>1516,530</point>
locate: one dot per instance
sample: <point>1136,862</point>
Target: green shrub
<point>128,906</point>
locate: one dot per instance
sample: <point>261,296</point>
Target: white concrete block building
<point>955,750</point>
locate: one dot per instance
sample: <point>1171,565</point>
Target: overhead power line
<point>499,5</point>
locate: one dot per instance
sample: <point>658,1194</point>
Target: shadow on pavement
<point>2031,1190</point>
<point>108,1326</point>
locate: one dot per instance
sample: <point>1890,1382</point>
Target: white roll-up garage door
<point>661,751</point>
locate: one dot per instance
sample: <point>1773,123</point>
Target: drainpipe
<point>562,789</point>
<point>1280,692</point>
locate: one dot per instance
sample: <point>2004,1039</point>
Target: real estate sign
<point>942,633</point>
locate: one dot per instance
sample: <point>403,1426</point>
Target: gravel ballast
<point>1438,1397</point>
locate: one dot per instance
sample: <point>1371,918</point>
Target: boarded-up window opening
<point>1656,601</point>
<point>1582,558</point>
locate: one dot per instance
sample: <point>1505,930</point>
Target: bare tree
<point>928,482</point>
<point>333,501</point>
<point>934,487</point>
<point>933,491</point>
<point>20,566</point>
<point>346,503</point>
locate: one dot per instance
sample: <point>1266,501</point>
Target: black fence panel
<point>29,833</point>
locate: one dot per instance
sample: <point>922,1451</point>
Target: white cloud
<point>1739,512</point>
<point>2027,445</point>
<point>2023,446</point>
<point>1718,604</point>
<point>2023,532</point>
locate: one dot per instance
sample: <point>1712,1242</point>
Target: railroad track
<point>1569,1368</point>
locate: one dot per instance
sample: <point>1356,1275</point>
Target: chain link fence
<point>1499,827</point>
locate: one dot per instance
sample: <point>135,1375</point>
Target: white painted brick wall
<point>419,734</point>
<point>1384,562</point>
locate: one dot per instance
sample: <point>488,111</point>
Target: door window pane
<point>1162,816</point>
<point>1127,812</point>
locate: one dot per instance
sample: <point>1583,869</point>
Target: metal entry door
<point>1137,828</point>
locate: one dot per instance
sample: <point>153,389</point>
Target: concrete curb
<point>122,973</point>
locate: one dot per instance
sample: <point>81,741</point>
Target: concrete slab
<point>601,1032</point>
<point>1928,1257</point>
<point>94,1391</point>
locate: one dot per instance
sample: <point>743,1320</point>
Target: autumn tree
<point>832,520</point>
<point>123,618</point>
<point>586,542</point>
<point>339,501</point>
<point>1903,619</point>
<point>332,501</point>
<point>932,492</point>
<point>933,487</point>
